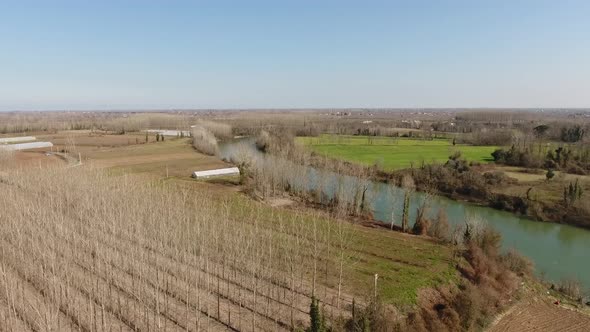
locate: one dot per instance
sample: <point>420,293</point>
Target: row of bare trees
<point>85,251</point>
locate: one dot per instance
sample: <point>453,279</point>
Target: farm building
<point>16,139</point>
<point>216,172</point>
<point>26,146</point>
<point>169,132</point>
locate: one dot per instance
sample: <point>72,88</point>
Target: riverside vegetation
<point>486,280</point>
<point>459,171</point>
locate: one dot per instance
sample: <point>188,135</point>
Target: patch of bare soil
<point>539,313</point>
<point>36,158</point>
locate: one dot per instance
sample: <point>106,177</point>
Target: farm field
<point>540,188</point>
<point>117,252</point>
<point>173,157</point>
<point>393,153</point>
<point>130,153</point>
<point>541,314</point>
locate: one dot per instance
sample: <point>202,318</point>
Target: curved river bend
<point>558,251</point>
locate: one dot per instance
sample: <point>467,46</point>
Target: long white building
<point>167,132</point>
<point>216,172</point>
<point>5,140</point>
<point>26,146</point>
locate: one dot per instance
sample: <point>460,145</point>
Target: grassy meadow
<point>391,152</point>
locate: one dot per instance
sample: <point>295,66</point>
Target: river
<point>558,251</point>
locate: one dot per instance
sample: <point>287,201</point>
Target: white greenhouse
<point>169,132</point>
<point>16,139</point>
<point>216,172</point>
<point>26,146</point>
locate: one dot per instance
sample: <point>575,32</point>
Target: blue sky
<point>264,54</point>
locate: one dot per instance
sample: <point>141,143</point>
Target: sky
<point>125,54</point>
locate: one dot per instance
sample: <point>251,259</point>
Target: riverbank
<point>557,250</point>
<point>485,186</point>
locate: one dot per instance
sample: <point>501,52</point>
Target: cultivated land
<point>85,249</point>
<point>536,184</point>
<point>393,153</point>
<point>540,313</point>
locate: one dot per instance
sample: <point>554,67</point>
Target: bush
<point>487,283</point>
<point>517,263</point>
<point>575,169</point>
<point>375,316</point>
<point>422,224</point>
<point>263,141</point>
<point>490,137</point>
<point>496,178</point>
<point>440,228</point>
<point>570,287</point>
<point>219,130</point>
<point>204,141</point>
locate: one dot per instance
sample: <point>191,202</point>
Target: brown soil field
<point>94,139</point>
<point>130,153</point>
<point>541,314</point>
<point>175,158</point>
<point>33,158</point>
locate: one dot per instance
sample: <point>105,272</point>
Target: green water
<point>558,251</point>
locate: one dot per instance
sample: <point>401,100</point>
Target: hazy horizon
<point>137,55</point>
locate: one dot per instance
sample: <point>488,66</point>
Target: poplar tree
<point>316,319</point>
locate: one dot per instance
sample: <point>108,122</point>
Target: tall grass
<point>6,155</point>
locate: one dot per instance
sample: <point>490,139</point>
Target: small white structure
<point>26,146</point>
<point>16,139</point>
<point>166,132</point>
<point>216,172</point>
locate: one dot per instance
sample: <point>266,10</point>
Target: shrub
<point>375,316</point>
<point>490,137</point>
<point>517,263</point>
<point>440,228</point>
<point>487,282</point>
<point>204,141</point>
<point>263,141</point>
<point>570,287</point>
<point>219,130</point>
<point>572,134</point>
<point>495,178</point>
<point>575,169</point>
<point>422,224</point>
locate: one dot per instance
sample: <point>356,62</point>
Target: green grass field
<point>405,263</point>
<point>393,153</point>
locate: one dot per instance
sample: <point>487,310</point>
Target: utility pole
<point>376,277</point>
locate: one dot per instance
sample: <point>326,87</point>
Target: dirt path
<point>541,314</point>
